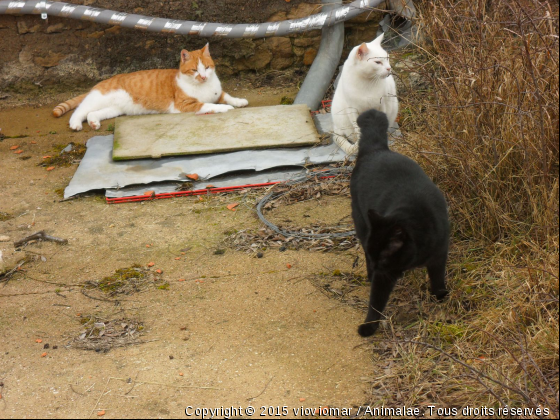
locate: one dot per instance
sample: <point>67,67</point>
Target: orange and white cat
<point>195,87</point>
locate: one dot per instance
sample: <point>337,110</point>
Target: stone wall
<point>65,52</point>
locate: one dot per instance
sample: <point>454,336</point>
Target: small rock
<point>68,148</point>
<point>260,255</point>
<point>4,238</point>
<point>282,249</point>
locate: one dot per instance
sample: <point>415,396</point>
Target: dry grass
<point>486,130</point>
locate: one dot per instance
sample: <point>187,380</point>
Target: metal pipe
<point>324,65</point>
<point>184,27</point>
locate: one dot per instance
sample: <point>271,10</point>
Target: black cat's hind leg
<point>436,272</point>
<point>381,287</point>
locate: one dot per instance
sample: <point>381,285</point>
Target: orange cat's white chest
<point>208,92</point>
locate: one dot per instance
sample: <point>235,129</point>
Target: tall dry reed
<point>483,123</point>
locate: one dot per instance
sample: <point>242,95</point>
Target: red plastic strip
<point>136,198</point>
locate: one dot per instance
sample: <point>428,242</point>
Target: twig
<point>79,393</point>
<point>116,302</point>
<point>262,392</point>
<point>99,399</point>
<point>133,384</point>
<point>39,235</point>
<point>27,276</point>
<point>7,276</point>
<point>170,386</point>
<point>33,293</point>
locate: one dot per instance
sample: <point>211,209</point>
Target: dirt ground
<point>229,330</point>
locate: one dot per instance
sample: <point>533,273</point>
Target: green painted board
<point>158,135</point>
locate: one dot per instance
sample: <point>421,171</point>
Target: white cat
<point>365,82</point>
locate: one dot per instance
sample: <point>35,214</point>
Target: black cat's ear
<point>397,238</point>
<point>376,219</point>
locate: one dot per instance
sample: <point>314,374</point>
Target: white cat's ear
<point>362,51</point>
<point>206,50</point>
<point>379,39</point>
<point>185,56</point>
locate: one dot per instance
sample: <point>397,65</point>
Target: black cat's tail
<point>373,126</point>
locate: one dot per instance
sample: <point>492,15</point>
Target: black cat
<point>400,216</point>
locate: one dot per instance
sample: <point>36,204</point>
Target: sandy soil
<point>239,331</point>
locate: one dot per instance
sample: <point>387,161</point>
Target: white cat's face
<point>372,60</point>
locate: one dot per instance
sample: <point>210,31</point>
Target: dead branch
<point>39,235</point>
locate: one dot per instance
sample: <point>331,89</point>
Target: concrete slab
<point>98,171</point>
<point>159,135</point>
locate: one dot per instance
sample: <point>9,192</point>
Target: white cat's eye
<point>378,62</point>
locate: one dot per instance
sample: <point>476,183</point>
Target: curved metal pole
<point>324,65</point>
<point>184,27</point>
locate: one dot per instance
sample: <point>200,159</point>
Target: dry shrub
<point>485,128</point>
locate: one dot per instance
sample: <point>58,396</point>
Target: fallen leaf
<point>159,271</point>
<point>177,258</point>
<point>38,340</point>
<point>33,142</point>
<point>301,399</point>
<point>50,168</point>
<point>151,192</point>
<point>151,264</point>
<point>194,177</point>
<point>14,147</point>
<point>17,152</point>
<point>101,413</point>
<point>210,186</point>
<point>44,354</point>
<point>232,206</point>
<point>148,245</point>
<point>200,198</point>
<point>289,265</point>
<point>181,279</point>
<point>47,156</point>
<point>180,373</point>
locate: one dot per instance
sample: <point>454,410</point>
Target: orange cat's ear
<point>185,56</point>
<point>362,51</point>
<point>206,50</point>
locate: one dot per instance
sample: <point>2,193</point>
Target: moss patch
<point>127,281</point>
<point>5,216</point>
<point>63,159</point>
